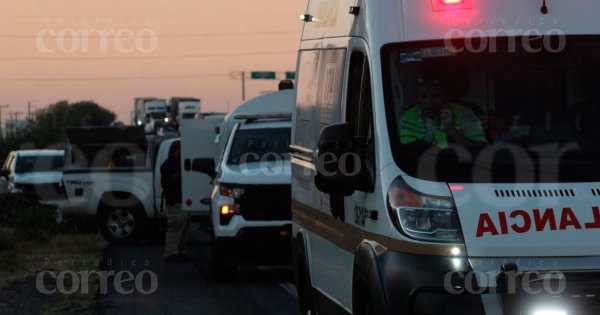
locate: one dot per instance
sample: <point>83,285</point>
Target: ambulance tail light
<point>423,217</point>
<point>447,5</point>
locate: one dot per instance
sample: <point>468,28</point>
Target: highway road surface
<point>149,285</point>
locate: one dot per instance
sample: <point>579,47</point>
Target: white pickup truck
<point>113,174</point>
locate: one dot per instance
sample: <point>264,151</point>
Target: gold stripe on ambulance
<point>349,237</point>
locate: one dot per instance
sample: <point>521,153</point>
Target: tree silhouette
<point>47,130</point>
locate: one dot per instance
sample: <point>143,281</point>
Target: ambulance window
<point>507,114</point>
<point>359,95</point>
<point>360,113</point>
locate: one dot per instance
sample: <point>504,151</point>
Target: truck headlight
<point>232,192</point>
<point>226,213</point>
<point>423,217</point>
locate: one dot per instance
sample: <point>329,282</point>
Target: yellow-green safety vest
<point>412,127</point>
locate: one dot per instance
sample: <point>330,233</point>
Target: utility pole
<point>29,114</point>
<point>15,120</point>
<point>243,86</point>
<point>1,108</point>
<point>234,75</point>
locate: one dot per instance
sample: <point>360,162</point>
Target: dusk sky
<point>111,51</point>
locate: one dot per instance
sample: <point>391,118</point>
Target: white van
<point>446,157</point>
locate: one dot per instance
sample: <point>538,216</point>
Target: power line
<point>112,17</point>
<point>260,53</point>
<point>12,36</point>
<point>191,76</point>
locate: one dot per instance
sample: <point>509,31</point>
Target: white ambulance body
<point>413,229</point>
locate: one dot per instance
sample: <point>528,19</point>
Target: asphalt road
<point>188,288</point>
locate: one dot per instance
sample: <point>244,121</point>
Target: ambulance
<point>486,202</point>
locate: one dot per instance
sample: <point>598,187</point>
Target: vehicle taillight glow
<point>452,1</point>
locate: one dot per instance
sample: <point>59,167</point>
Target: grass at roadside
<point>59,252</point>
<point>30,243</point>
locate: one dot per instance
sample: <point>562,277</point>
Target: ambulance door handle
<point>337,207</point>
<point>373,215</point>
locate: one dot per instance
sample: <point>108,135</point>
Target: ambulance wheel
<point>370,307</point>
<point>305,297</point>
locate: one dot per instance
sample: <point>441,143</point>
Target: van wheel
<point>222,268</point>
<point>304,288</point>
<point>370,307</point>
<point>121,226</point>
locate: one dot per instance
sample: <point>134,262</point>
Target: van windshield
<point>31,164</point>
<point>521,110</point>
<point>255,145</point>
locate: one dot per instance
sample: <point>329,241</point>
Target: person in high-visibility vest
<point>437,121</point>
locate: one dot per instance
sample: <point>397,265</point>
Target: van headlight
<point>421,216</point>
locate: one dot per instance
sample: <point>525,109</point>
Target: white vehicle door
<point>318,105</point>
<point>358,206</point>
<point>197,142</point>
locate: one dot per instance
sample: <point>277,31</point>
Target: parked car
<point>33,172</point>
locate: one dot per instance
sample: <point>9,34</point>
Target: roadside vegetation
<point>31,242</point>
<point>46,127</point>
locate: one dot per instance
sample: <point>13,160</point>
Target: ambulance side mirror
<point>206,166</point>
<point>339,162</point>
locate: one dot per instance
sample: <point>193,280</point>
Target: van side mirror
<point>206,166</point>
<point>339,163</point>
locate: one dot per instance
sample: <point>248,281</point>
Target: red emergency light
<point>456,187</point>
<point>447,5</point>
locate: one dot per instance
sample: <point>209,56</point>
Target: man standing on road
<point>178,221</point>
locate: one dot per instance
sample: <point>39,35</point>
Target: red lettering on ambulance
<point>503,224</point>
<point>486,225</point>
<point>568,218</point>
<point>596,223</point>
<point>526,221</point>
<point>547,218</point>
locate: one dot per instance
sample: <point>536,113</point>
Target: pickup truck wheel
<point>222,268</point>
<point>121,226</point>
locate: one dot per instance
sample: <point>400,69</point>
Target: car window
<point>29,164</point>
